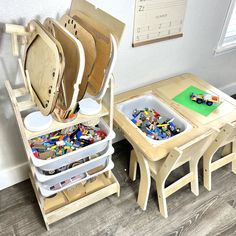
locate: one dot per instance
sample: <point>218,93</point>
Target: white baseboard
<point>230,89</point>
<point>14,175</point>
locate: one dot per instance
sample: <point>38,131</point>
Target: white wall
<point>12,156</point>
<point>135,66</point>
<point>192,53</point>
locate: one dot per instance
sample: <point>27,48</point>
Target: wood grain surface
<point>88,43</point>
<point>44,61</point>
<point>74,64</point>
<point>103,50</point>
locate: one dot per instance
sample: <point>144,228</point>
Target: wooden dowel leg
<point>161,199</point>
<point>23,74</point>
<point>47,226</point>
<point>29,85</point>
<point>234,151</point>
<point>194,183</point>
<point>14,44</point>
<point>207,172</point>
<point>227,149</point>
<point>133,166</point>
<point>145,181</point>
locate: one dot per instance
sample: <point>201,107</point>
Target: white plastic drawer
<point>77,155</point>
<point>81,168</point>
<point>80,174</point>
<point>151,101</point>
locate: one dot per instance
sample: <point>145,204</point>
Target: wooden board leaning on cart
<point>88,43</point>
<point>102,27</point>
<point>74,64</point>
<point>44,62</point>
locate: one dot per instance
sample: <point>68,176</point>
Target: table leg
<point>145,180</point>
<point>234,151</point>
<point>133,164</point>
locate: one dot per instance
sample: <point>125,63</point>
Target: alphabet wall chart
<point>158,20</point>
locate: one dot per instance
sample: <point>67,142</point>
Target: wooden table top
<point>166,90</point>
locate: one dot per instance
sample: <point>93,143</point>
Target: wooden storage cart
<point>64,203</point>
<point>84,190</point>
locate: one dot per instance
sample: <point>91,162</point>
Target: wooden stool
<point>227,139</point>
<point>190,152</point>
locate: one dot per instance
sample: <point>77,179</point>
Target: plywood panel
<point>88,43</point>
<point>100,25</point>
<point>74,64</point>
<point>44,61</point>
<point>103,50</point>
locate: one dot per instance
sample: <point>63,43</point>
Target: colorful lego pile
<point>66,140</point>
<point>153,124</point>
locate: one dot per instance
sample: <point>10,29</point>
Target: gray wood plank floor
<point>212,213</point>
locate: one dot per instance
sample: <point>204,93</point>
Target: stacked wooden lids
<point>65,59</point>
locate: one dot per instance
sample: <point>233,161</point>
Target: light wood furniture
<point>88,43</point>
<point>44,62</point>
<point>190,152</point>
<point>165,90</point>
<point>227,139</point>
<point>74,64</point>
<point>102,27</point>
<point>103,50</point>
<point>62,205</point>
<point>84,192</point>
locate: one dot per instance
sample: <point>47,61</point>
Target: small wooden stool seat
<point>191,153</point>
<point>227,139</point>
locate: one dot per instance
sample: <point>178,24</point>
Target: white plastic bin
<point>151,101</point>
<point>81,168</point>
<point>77,155</point>
<point>81,171</point>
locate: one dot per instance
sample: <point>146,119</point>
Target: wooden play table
<point>166,90</point>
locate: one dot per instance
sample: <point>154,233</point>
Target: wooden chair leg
<point>133,166</point>
<point>161,199</point>
<point>234,151</point>
<point>207,171</point>
<point>194,183</point>
<point>145,180</point>
<point>227,149</point>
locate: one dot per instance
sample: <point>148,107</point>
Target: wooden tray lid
<point>88,43</point>
<point>44,60</point>
<point>103,52</point>
<point>109,69</point>
<point>113,25</point>
<point>101,25</point>
<point>74,64</point>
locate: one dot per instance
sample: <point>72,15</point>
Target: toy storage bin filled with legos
<point>152,118</point>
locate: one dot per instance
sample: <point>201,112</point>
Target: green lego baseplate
<point>184,99</point>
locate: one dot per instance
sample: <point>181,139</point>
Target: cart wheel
<point>209,103</point>
<point>199,100</point>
